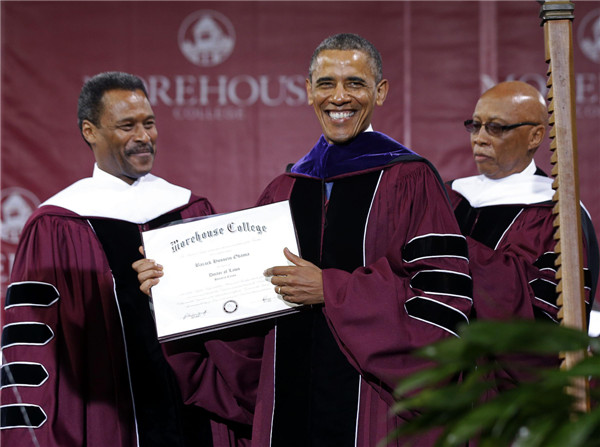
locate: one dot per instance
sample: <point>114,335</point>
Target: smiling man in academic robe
<point>384,270</point>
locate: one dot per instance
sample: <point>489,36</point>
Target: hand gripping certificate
<point>213,269</point>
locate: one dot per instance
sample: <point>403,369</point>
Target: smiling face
<point>124,142</point>
<point>511,152</point>
<point>343,91</point>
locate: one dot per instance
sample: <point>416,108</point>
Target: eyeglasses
<point>494,129</point>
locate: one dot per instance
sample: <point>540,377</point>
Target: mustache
<point>140,148</point>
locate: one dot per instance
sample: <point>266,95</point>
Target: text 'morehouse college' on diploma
<point>213,269</point>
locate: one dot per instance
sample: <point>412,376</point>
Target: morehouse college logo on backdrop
<point>588,35</point>
<point>587,78</point>
<point>206,38</point>
<point>17,204</point>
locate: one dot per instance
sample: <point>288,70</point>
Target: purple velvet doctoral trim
<point>367,150</point>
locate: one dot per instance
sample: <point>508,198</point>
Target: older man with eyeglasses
<point>506,212</point>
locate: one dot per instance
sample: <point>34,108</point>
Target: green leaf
<point>530,413</point>
<point>584,431</point>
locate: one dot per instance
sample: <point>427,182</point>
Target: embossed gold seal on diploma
<point>213,269</point>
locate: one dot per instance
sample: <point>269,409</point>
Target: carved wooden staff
<point>556,19</point>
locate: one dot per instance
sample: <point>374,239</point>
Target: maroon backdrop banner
<point>226,81</point>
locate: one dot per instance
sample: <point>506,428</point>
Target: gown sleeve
<point>414,288</point>
<point>517,278</point>
<point>56,307</point>
<point>219,375</point>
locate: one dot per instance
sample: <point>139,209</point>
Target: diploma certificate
<point>213,269</point>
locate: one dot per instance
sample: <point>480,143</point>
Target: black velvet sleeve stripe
<point>22,416</point>
<point>436,313</point>
<point>587,279</point>
<point>23,374</point>
<point>26,334</point>
<point>593,254</point>
<point>546,261</point>
<point>544,291</point>
<point>31,293</point>
<point>435,246</point>
<point>443,282</point>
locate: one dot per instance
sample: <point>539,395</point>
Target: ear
<point>536,136</point>
<point>382,90</point>
<point>309,91</point>
<point>88,130</point>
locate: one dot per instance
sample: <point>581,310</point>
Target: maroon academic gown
<point>511,251</point>
<point>511,248</point>
<point>73,345</point>
<point>395,278</point>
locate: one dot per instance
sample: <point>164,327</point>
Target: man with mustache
<point>506,213</point>
<point>82,361</point>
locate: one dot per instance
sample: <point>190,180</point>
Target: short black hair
<point>89,106</point>
<point>349,41</point>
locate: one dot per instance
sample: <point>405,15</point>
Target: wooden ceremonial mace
<point>557,19</point>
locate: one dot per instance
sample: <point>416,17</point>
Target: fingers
<point>286,270</point>
<point>148,273</point>
<point>280,285</point>
<point>141,250</point>
<point>300,283</point>
<point>147,285</point>
<point>303,285</point>
<point>143,265</point>
<point>279,271</point>
<point>296,260</point>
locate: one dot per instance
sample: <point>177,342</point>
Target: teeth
<point>340,115</point>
